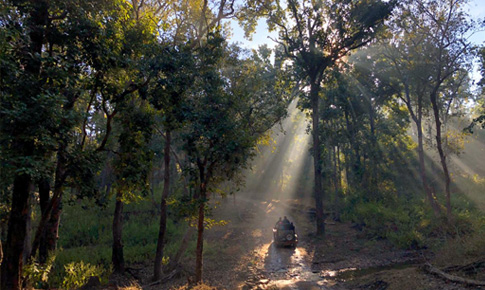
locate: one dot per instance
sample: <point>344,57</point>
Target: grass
<point>85,235</point>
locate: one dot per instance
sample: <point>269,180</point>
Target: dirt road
<point>343,259</point>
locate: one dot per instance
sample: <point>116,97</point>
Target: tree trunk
<point>17,226</point>
<point>373,158</point>
<point>52,230</point>
<point>117,257</point>
<point>1,250</point>
<point>157,269</point>
<point>200,238</point>
<point>28,234</point>
<point>46,228</point>
<point>418,120</point>
<point>317,163</point>
<point>44,193</point>
<point>441,152</point>
<point>422,172</point>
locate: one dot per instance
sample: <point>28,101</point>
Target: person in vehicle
<point>284,233</point>
<point>278,223</point>
<point>285,220</point>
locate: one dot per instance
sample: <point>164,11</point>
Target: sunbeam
<point>277,170</point>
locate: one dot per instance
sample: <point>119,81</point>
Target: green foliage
<point>78,273</point>
<point>228,109</point>
<point>399,225</point>
<point>409,223</point>
<point>85,235</point>
<point>133,161</point>
<point>37,275</point>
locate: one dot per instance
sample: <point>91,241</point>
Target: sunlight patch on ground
<point>262,250</point>
<point>257,233</point>
<point>333,274</point>
<point>270,207</point>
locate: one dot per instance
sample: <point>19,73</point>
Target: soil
<point>241,255</point>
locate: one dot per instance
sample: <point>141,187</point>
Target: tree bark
<point>1,251</point>
<point>17,227</point>
<point>117,257</point>
<point>200,238</point>
<point>157,271</point>
<point>44,193</point>
<point>417,118</point>
<point>317,163</point>
<point>52,230</point>
<point>439,145</point>
<point>46,228</point>
<point>28,234</point>
<point>422,172</point>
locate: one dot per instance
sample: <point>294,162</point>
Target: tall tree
<point>224,117</point>
<point>445,28</point>
<point>132,165</point>
<point>55,57</point>
<point>316,34</point>
<point>167,93</point>
<point>41,76</point>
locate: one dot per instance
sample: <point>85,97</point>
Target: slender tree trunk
<point>1,250</point>
<point>317,163</point>
<point>17,227</point>
<point>441,152</point>
<point>52,211</point>
<point>117,257</point>
<point>354,173</point>
<point>374,152</point>
<point>52,230</point>
<point>339,170</point>
<point>200,238</point>
<point>157,271</point>
<point>28,234</point>
<point>418,120</point>
<point>44,193</point>
<point>422,172</point>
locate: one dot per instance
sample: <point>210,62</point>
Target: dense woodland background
<point>121,121</point>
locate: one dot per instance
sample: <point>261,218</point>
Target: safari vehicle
<point>284,235</point>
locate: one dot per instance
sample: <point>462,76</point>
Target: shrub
<point>77,274</point>
<point>398,224</point>
<point>37,275</point>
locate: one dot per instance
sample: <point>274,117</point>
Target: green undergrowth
<point>85,241</point>
<point>409,223</point>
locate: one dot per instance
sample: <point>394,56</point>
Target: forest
<point>144,146</point>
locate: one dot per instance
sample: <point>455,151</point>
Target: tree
<point>167,94</point>
<point>56,58</point>
<point>480,108</point>
<point>224,117</point>
<point>315,35</point>
<point>445,28</point>
<point>405,55</point>
<point>132,165</point>
<point>41,74</point>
